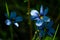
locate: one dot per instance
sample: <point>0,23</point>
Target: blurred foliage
<point>20,6</point>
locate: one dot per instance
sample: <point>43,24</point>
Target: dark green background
<point>20,7</point>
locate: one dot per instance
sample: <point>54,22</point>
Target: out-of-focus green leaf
<point>25,0</point>
<point>56,32</point>
<point>38,7</point>
<point>49,38</point>
<point>38,38</point>
<point>3,33</point>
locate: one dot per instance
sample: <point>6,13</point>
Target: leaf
<point>25,1</point>
<point>49,38</point>
<point>38,38</point>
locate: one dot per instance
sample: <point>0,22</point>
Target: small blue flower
<point>35,15</point>
<point>48,29</point>
<point>13,19</point>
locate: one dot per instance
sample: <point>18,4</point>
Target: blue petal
<point>18,19</point>
<point>8,22</point>
<point>51,30</point>
<point>13,15</point>
<point>34,17</point>
<point>39,28</point>
<point>39,23</point>
<point>34,13</point>
<point>49,25</point>
<point>46,19</point>
<point>16,24</point>
<point>42,33</point>
<point>41,10</point>
<point>45,11</point>
<point>49,33</point>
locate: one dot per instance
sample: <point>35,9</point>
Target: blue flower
<point>13,19</point>
<point>47,29</point>
<point>40,17</point>
<point>43,23</point>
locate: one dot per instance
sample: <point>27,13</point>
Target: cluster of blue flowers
<point>13,19</point>
<point>42,21</point>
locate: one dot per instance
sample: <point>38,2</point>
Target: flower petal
<point>34,13</point>
<point>16,24</point>
<point>8,22</point>
<point>45,11</point>
<point>51,30</point>
<point>50,24</point>
<point>46,19</point>
<point>18,19</point>
<point>49,33</point>
<point>41,10</point>
<point>34,18</point>
<point>42,33</point>
<point>39,28</point>
<point>12,15</point>
<point>39,23</point>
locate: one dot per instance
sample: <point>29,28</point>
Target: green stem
<point>10,28</point>
<point>56,32</point>
<point>34,37</point>
<point>30,25</point>
<point>37,38</point>
<point>11,31</point>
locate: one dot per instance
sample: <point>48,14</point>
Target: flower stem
<point>34,37</point>
<point>11,31</point>
<point>30,25</point>
<point>56,32</point>
<point>10,28</point>
<point>37,38</point>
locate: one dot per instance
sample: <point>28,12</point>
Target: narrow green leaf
<point>56,32</point>
<point>7,9</point>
